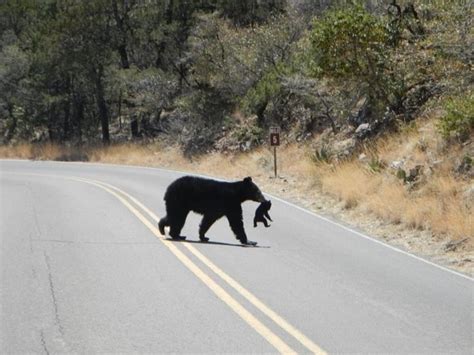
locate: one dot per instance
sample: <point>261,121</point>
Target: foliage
<point>250,12</point>
<point>376,165</point>
<point>459,117</point>
<point>249,134</point>
<point>257,97</point>
<point>322,155</point>
<point>349,43</point>
<point>352,44</point>
<point>112,70</point>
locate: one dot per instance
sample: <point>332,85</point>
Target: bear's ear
<point>248,179</point>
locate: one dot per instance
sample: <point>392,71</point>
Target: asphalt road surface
<point>84,270</point>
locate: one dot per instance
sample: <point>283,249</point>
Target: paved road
<point>82,270</point>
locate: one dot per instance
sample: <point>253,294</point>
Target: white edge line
<point>272,196</point>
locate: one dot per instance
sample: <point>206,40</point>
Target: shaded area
<point>216,243</point>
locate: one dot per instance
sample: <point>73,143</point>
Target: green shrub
<point>322,155</point>
<point>459,118</point>
<point>376,165</point>
<point>248,134</point>
<point>351,44</point>
<point>348,42</point>
<point>258,96</point>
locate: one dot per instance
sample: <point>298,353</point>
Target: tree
<point>86,45</point>
<point>14,66</point>
<point>351,45</point>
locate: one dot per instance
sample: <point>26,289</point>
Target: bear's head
<point>251,191</point>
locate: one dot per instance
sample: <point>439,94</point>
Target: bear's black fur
<point>213,199</point>
<point>262,212</point>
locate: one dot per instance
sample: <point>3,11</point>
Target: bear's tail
<point>162,224</point>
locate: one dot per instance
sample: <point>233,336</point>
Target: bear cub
<point>262,212</point>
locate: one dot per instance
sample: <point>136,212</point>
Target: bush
<point>459,118</point>
<point>348,42</point>
<point>248,135</point>
<point>351,45</point>
<point>257,98</point>
<point>322,155</point>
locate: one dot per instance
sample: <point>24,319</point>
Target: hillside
<point>374,100</point>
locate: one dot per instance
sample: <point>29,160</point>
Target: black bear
<point>213,199</point>
<point>262,212</point>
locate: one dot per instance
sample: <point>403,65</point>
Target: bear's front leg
<point>265,222</point>
<point>268,216</point>
<point>237,226</point>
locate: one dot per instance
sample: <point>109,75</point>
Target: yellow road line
<point>251,320</point>
<point>308,343</point>
<point>298,335</point>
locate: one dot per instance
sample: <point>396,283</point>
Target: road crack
<point>35,218</point>
<point>53,295</point>
<point>43,343</point>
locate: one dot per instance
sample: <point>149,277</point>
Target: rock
<point>414,174</point>
<point>359,114</point>
<point>416,97</point>
<point>347,131</point>
<point>362,157</point>
<point>396,164</point>
<point>363,130</point>
<point>246,146</point>
<point>345,148</point>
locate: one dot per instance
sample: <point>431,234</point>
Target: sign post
<point>275,142</point>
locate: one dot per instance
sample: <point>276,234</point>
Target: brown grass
<point>43,151</point>
<point>19,151</point>
<point>435,203</point>
<point>438,206</point>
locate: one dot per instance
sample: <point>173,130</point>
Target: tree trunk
<point>12,128</point>
<point>51,134</point>
<point>134,127</point>
<point>260,113</point>
<point>102,105</point>
<point>66,122</point>
<point>122,49</point>
<point>78,114</point>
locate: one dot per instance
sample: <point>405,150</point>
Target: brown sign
<point>274,139</point>
<point>274,142</point>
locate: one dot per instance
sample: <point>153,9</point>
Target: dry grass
<point>437,206</point>
<point>435,203</point>
<point>19,151</point>
<point>44,151</point>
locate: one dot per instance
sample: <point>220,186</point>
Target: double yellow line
<point>132,203</point>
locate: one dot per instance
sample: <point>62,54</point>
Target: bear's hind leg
<point>176,224</point>
<point>206,223</point>
<point>162,224</point>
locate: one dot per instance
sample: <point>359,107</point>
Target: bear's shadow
<point>216,243</point>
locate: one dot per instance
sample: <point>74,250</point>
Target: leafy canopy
<point>348,43</point>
